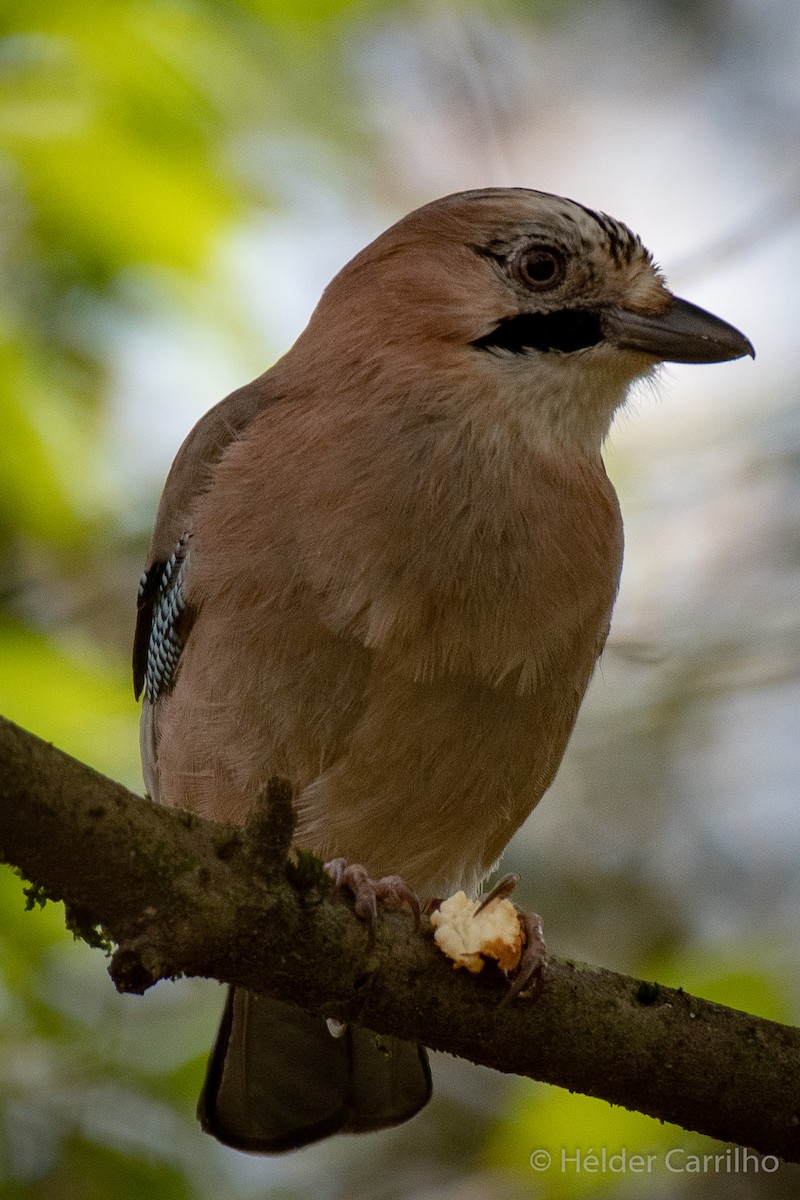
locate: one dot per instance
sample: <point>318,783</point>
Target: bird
<point>385,571</point>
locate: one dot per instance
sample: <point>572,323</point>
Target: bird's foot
<point>367,893</point>
<point>529,975</point>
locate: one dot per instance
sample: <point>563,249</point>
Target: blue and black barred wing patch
<point>162,624</point>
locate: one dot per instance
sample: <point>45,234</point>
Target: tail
<point>277,1079</point>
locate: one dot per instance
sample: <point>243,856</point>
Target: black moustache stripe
<point>566,330</point>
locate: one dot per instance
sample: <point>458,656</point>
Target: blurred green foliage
<point>70,696</point>
<point>118,132</point>
<point>119,126</point>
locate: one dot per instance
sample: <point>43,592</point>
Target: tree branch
<point>183,896</point>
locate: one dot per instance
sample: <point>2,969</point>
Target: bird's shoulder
<point>162,620</point>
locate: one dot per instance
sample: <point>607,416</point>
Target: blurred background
<point>178,181</point>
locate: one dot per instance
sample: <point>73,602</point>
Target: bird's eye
<point>540,267</point>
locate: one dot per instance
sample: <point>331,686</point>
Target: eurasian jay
<point>385,570</point>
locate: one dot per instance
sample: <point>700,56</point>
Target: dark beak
<point>682,334</point>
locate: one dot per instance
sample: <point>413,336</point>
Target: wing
<point>163,619</point>
<point>163,624</point>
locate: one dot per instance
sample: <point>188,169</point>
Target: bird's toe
<point>367,893</point>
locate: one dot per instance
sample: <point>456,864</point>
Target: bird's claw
<point>368,893</point>
<point>529,978</point>
<point>529,975</point>
<point>501,891</point>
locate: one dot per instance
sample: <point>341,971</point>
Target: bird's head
<point>536,301</point>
